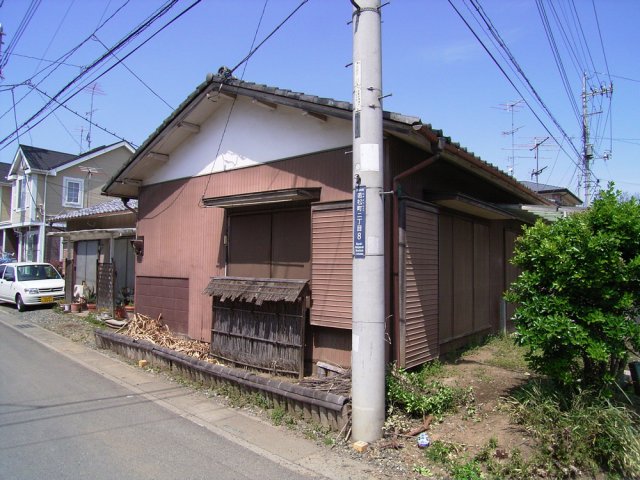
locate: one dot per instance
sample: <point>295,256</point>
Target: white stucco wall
<point>254,135</point>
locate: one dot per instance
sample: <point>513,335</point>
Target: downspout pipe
<point>396,240</point>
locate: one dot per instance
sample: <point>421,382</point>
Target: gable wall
<point>253,136</point>
<point>106,165</point>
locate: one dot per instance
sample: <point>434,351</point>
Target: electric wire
<point>97,62</point>
<point>244,61</point>
<point>22,27</point>
<point>510,80</point>
<point>156,94</point>
<point>65,56</point>
<point>55,34</point>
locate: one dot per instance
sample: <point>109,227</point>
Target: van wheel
<point>20,304</point>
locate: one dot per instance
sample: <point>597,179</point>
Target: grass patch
<point>417,393</point>
<point>579,432</point>
<point>506,354</point>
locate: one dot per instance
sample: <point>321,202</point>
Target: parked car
<point>30,283</point>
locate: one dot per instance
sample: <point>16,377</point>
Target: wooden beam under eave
<point>264,104</point>
<point>317,116</point>
<point>162,157</point>
<point>190,127</point>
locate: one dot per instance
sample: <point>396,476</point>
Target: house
<point>560,196</point>
<point>98,251</point>
<point>46,183</point>
<point>247,188</point>
<point>8,243</point>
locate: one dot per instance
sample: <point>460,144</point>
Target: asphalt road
<point>59,420</point>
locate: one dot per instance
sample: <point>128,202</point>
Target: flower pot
<point>91,306</point>
<point>75,307</point>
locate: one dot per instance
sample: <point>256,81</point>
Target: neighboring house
<point>560,196</point>
<point>8,240</point>
<point>98,251</point>
<point>46,183</point>
<point>252,185</point>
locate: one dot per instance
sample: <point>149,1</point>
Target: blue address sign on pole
<point>359,221</point>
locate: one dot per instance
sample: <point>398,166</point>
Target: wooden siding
<point>168,297</point>
<point>419,292</point>
<point>331,266</point>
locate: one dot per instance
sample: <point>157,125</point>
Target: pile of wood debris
<point>153,330</point>
<point>340,383</point>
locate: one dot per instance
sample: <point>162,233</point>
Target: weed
<point>507,354</point>
<point>259,400</point>
<point>277,415</point>
<point>469,470</point>
<point>418,395</point>
<point>442,452</point>
<point>422,471</point>
<point>580,431</point>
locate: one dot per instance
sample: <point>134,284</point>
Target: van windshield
<point>37,272</point>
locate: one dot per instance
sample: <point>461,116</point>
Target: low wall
<point>324,408</point>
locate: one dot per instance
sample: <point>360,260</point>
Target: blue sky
<point>433,67</point>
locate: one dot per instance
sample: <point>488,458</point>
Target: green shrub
<point>579,292</point>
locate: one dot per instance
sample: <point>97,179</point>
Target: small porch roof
<point>255,290</point>
<point>94,234</point>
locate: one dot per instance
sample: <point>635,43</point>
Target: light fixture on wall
<point>138,246</point>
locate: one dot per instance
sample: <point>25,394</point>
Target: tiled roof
<point>113,206</point>
<point>4,171</point>
<point>542,187</point>
<point>337,108</point>
<point>43,159</point>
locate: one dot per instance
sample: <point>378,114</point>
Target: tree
<point>578,297</point>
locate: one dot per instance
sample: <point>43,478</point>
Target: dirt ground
<point>470,429</point>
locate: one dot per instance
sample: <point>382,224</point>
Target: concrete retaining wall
<point>324,408</point>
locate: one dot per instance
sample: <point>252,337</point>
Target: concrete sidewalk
<point>278,445</point>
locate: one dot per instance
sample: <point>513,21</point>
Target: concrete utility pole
<point>587,148</point>
<point>367,347</point>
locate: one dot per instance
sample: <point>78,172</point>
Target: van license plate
<point>46,299</point>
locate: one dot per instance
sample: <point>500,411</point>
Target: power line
<point>536,95</point>
<point>134,74</point>
<point>96,62</point>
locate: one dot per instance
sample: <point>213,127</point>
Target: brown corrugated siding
<point>331,267</point>
<point>184,240</point>
<point>420,292</point>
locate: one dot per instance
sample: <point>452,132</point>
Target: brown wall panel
<point>250,246</point>
<point>331,345</point>
<point>445,271</point>
<point>331,266</point>
<point>462,276</point>
<point>419,302</point>
<point>481,277</point>
<point>168,297</point>
<point>291,241</point>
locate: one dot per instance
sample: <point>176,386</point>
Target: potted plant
<point>90,298</point>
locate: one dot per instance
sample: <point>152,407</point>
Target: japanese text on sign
<point>359,221</point>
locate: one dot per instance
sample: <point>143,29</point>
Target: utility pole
<point>368,311</point>
<point>587,148</point>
